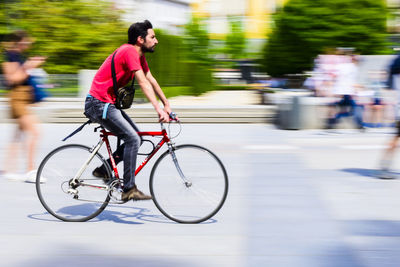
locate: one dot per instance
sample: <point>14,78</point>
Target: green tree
<point>196,53</point>
<point>305,28</point>
<point>73,34</point>
<point>235,41</point>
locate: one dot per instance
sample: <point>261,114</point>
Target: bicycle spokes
<point>188,184</point>
<point>63,195</point>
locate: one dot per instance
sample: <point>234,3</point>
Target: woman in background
<point>16,70</point>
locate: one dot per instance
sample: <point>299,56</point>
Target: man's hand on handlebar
<point>162,116</point>
<point>167,109</point>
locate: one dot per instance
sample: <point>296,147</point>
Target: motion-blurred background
<point>204,44</point>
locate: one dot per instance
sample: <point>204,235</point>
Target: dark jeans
<point>119,123</point>
<point>348,107</point>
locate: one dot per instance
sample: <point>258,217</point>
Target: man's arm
<point>148,91</point>
<point>159,92</point>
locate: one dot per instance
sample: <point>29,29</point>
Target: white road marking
<point>270,147</point>
<point>363,147</point>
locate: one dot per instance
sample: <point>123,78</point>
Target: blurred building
<point>169,15</point>
<point>393,3</point>
<point>393,22</point>
<point>394,17</point>
<point>254,14</point>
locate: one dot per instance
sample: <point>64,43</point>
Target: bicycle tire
<point>58,168</point>
<point>189,204</point>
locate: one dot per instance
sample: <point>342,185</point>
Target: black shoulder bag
<point>124,95</point>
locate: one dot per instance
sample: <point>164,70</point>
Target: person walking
<point>388,153</point>
<point>16,70</point>
<point>100,105</point>
<point>376,105</point>
<point>345,87</point>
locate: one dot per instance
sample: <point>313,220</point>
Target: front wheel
<point>189,184</point>
<point>66,198</point>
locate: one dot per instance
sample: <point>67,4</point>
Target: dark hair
<point>138,29</point>
<point>17,36</point>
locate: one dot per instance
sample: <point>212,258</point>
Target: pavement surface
<point>296,198</point>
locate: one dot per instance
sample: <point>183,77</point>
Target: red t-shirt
<point>127,60</point>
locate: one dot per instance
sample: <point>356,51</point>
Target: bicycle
<point>188,183</point>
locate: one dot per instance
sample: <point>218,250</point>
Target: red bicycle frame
<point>165,139</point>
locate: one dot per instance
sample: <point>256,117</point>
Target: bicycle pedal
<point>72,191</point>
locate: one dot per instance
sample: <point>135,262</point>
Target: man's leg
<point>118,154</point>
<point>357,112</point>
<point>117,124</point>
<point>358,116</point>
<point>332,113</point>
<point>389,152</point>
<point>120,124</point>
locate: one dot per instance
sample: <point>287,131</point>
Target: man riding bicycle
<point>130,62</point>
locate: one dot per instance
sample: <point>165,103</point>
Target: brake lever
<point>173,116</point>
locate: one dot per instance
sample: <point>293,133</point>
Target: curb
<point>70,110</point>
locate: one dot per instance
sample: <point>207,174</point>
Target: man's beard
<point>147,49</point>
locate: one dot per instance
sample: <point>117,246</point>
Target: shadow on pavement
<point>373,173</point>
<point>382,228</point>
<point>126,217</point>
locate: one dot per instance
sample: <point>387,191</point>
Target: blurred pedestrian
<point>16,68</point>
<point>387,158</point>
<point>345,87</point>
<point>376,104</point>
<point>324,73</point>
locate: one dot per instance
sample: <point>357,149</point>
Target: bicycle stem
<point>162,126</point>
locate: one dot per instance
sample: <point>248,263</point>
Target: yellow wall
<point>199,8</point>
<point>257,12</point>
<point>257,19</point>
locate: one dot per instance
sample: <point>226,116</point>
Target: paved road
<point>297,198</point>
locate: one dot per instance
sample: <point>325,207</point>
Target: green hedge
<point>172,64</point>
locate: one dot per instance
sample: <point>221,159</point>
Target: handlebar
<point>172,118</point>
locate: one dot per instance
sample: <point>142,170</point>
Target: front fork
<point>171,149</point>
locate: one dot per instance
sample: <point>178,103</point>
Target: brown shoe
<point>134,194</point>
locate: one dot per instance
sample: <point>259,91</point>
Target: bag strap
<point>114,77</point>
<point>77,130</point>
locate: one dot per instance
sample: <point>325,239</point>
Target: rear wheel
<point>66,198</point>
